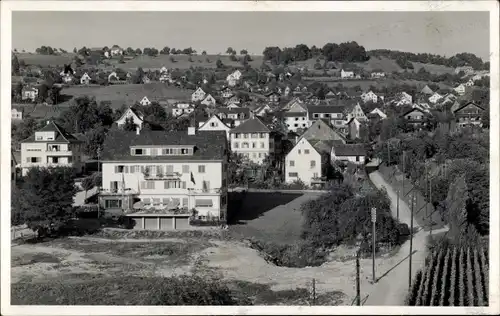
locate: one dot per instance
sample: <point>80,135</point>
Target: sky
<point>444,33</point>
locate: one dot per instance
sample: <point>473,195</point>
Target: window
<point>262,145</point>
<point>185,202</point>
<point>316,115</point>
<point>254,145</point>
<point>154,151</point>
<point>113,203</point>
<point>295,125</point>
<point>292,163</point>
<point>119,169</point>
<point>169,169</point>
<point>244,145</point>
<point>315,175</point>
<point>185,168</point>
<point>34,159</point>
<point>262,135</point>
<point>357,158</point>
<point>255,135</point>
<point>306,151</point>
<point>327,114</point>
<point>293,174</point>
<point>296,118</point>
<point>55,159</point>
<point>313,163</point>
<point>201,169</point>
<point>203,203</point>
<point>206,185</point>
<point>147,185</point>
<point>156,201</point>
<point>260,155</point>
<point>213,124</point>
<point>245,135</point>
<point>138,152</point>
<point>174,184</point>
<point>300,151</point>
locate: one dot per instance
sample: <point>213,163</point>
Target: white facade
<point>16,114</point>
<point>215,124</point>
<point>198,95</point>
<point>145,101</point>
<point>379,113</point>
<point>85,79</point>
<point>129,113</point>
<point>356,112</point>
<point>369,97</point>
<point>303,163</point>
<point>346,74</point>
<point>377,75</point>
<point>296,120</point>
<point>204,194</point>
<point>113,76</point>
<point>44,152</point>
<point>182,108</point>
<point>403,98</point>
<point>255,146</point>
<point>435,98</point>
<point>460,89</point>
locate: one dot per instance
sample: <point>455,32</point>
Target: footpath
<point>393,285</point>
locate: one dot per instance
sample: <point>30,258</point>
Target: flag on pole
<point>192,178</point>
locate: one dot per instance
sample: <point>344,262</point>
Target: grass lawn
<point>272,217</point>
<point>46,60</point>
<point>182,62</point>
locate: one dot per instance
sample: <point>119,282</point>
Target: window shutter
<point>165,201</point>
<point>125,169</point>
<point>143,184</point>
<point>183,184</point>
<point>185,202</point>
<point>159,169</point>
<point>116,169</point>
<point>165,184</point>
<point>170,168</point>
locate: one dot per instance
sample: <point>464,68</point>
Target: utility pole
<point>98,186</point>
<point>374,219</point>
<point>358,289</point>
<point>314,292</point>
<point>397,206</point>
<point>430,199</point>
<point>403,163</point>
<point>388,154</point>
<point>411,240</point>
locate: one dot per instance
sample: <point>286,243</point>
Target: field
<point>453,276</point>
<point>365,84</point>
<point>46,60</point>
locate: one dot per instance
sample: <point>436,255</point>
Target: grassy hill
<point>46,60</point>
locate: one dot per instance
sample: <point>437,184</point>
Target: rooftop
<point>349,150</point>
<point>209,145</point>
<point>253,125</point>
<point>61,135</point>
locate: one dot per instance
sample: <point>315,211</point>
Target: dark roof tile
<point>253,125</point>
<point>349,150</point>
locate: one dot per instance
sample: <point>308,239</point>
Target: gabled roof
<point>321,130</point>
<point>225,121</point>
<point>18,108</point>
<point>233,110</point>
<point>467,104</point>
<point>253,125</point>
<point>209,145</point>
<point>324,146</point>
<point>61,135</point>
<point>349,150</point>
<point>413,110</point>
<point>426,90</point>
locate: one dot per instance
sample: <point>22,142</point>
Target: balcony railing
<point>206,191</point>
<point>118,192</point>
<point>162,176</point>
<point>318,179</point>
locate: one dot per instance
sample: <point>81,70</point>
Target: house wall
<point>295,122</point>
<point>213,124</point>
<point>256,146</point>
<point>214,177</point>
<point>359,160</point>
<point>302,163</point>
<point>16,115</point>
<point>127,115</point>
<point>67,157</point>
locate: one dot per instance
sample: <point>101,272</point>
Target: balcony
<point>118,192</point>
<point>206,191</point>
<point>59,153</point>
<point>163,176</point>
<point>316,180</point>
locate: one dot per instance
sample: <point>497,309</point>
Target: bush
<point>298,255</point>
<point>213,222</point>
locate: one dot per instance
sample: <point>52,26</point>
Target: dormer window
<point>138,152</point>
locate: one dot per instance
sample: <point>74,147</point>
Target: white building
<point>295,116</point>
<point>460,89</point>
<point>85,79</point>
<point>377,75</point>
<point>354,153</point>
<point>145,101</point>
<point>253,139</point>
<point>379,112</point>
<point>355,111</point>
<point>182,108</point>
<point>51,146</point>
<point>369,97</point>
<point>435,98</point>
<point>304,162</point>
<point>403,99</point>
<point>198,95</point>
<point>214,123</point>
<point>346,74</point>
<point>131,113</point>
<point>16,113</point>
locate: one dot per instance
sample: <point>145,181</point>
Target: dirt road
<point>393,284</point>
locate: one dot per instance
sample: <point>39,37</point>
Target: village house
<point>165,77</point>
<point>198,95</point>
<point>113,77</point>
<point>469,83</point>
<point>51,146</point>
<point>468,114</point>
<point>85,79</point>
<point>226,92</point>
<point>353,153</point>
<point>164,70</point>
<point>354,111</point>
<point>215,123</point>
<point>145,101</point>
<point>232,105</point>
<point>182,108</point>
<point>67,78</point>
<point>287,91</point>
<point>354,129</point>
<point>346,74</point>
<point>116,50</point>
<point>239,115</point>
<point>369,97</point>
<point>468,70</point>
<point>254,140</point>
<point>426,90</point>
<point>146,79</point>
<point>29,93</point>
<point>415,116</point>
<point>377,75</point>
<point>273,97</point>
<point>460,89</point>
<point>435,98</point>
<point>174,177</point>
<point>16,113</point>
<point>334,113</point>
<point>209,100</point>
<point>308,161</point>
<point>402,99</point>
<point>131,113</point>
<point>379,112</point>
<point>234,99</point>
<point>322,129</point>
<point>261,110</point>
<point>295,115</point>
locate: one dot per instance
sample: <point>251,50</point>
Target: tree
<point>219,64</point>
<point>94,138</point>
<point>165,50</point>
<point>138,51</point>
<point>456,203</point>
<point>229,51</point>
<point>243,52</point>
<point>15,65</point>
<point>87,184</point>
<point>84,114</point>
<point>204,52</point>
<point>129,125</point>
<point>121,59</point>
<point>75,50</point>
<point>47,199</point>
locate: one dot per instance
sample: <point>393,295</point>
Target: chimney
<point>137,130</point>
<point>191,130</point>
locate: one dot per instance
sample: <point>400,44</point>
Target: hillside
<point>45,60</point>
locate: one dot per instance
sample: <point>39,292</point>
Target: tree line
<point>343,52</point>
